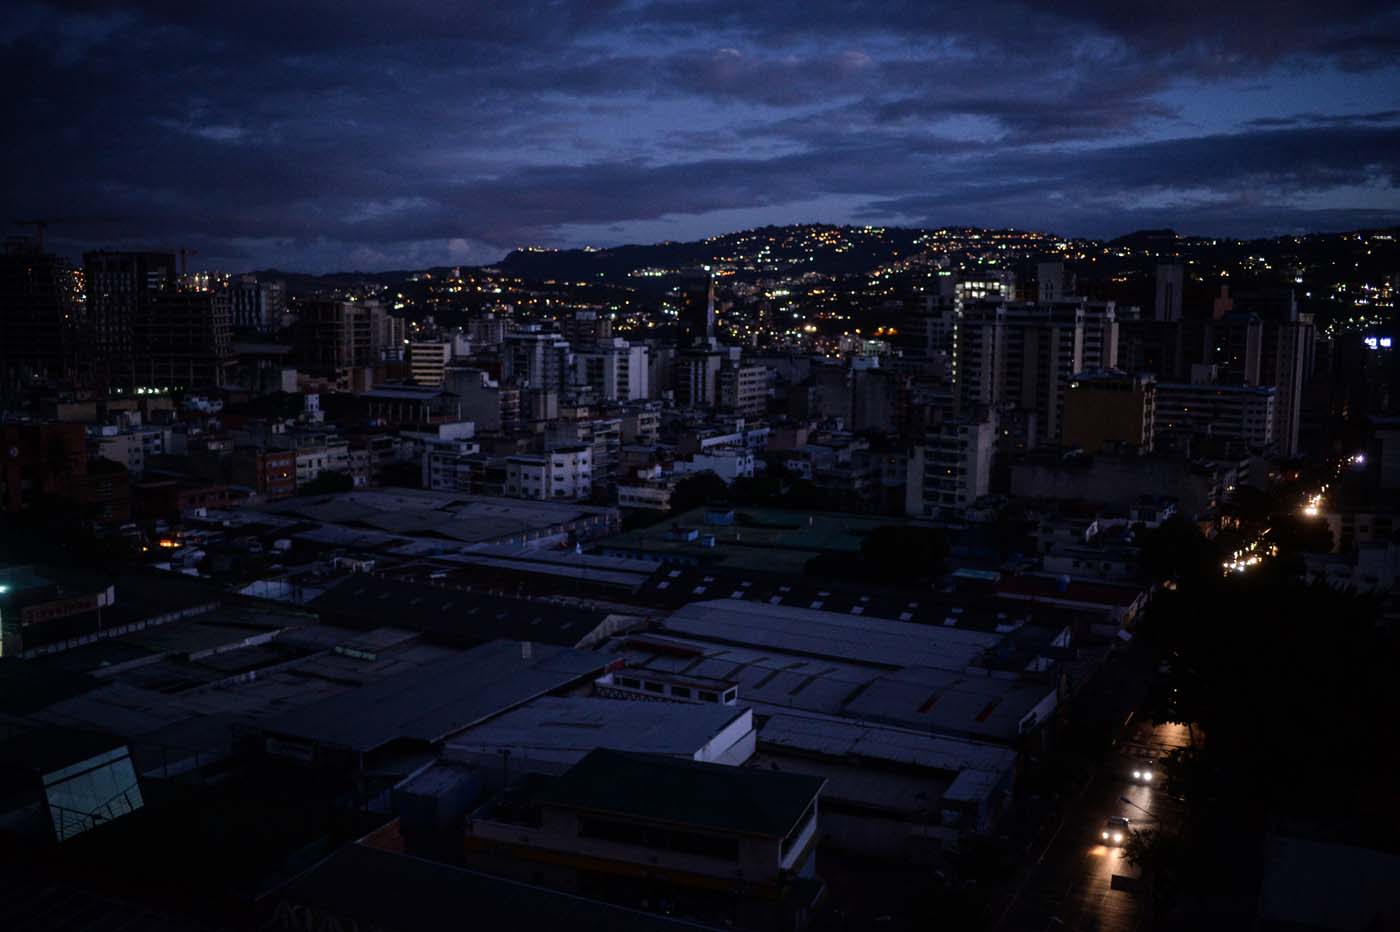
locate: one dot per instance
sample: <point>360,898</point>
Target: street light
<point>1124,799</point>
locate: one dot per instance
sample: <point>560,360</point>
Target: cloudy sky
<point>366,134</point>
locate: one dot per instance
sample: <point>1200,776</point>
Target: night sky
<point>315,135</point>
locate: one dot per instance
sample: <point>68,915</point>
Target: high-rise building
<point>952,468</point>
<point>1170,280</point>
<point>427,359</point>
<point>1044,349</point>
<point>120,289</point>
<point>181,339</point>
<point>334,335</point>
<point>1110,409</point>
<point>979,355</point>
<point>536,358</point>
<point>256,305</point>
<point>586,327</point>
<point>743,389</point>
<point>40,316</point>
<point>1244,413</point>
<point>696,314</point>
<point>615,369</point>
<point>696,377</point>
<point>1050,281</point>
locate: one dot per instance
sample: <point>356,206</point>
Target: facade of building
<point>743,390</point>
<point>562,474</point>
<point>121,287</point>
<point>41,317</point>
<point>952,468</point>
<point>1247,413</point>
<point>427,359</point>
<point>1110,408</point>
<point>536,359</point>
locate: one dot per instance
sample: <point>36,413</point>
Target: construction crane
<point>185,260</point>
<point>39,227</point>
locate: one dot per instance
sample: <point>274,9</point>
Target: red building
<point>38,460</point>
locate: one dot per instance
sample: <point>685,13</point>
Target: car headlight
<point>1117,836</point>
<point>1137,774</point>
<point>1105,835</point>
<point>1147,776</point>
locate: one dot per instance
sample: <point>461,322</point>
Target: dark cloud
<point>322,134</point>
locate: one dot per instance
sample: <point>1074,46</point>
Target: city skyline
<point>420,135</point>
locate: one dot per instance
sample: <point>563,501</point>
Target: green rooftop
<point>759,539</point>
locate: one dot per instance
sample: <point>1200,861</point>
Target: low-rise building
<point>562,474</point>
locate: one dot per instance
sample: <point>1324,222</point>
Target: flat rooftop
<point>457,614</point>
<point>370,888</point>
<point>813,632</point>
<point>439,699</point>
<point>567,728</point>
<point>665,789</point>
<point>766,540</point>
<point>943,702</point>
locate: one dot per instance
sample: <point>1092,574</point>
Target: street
<point>1070,885</point>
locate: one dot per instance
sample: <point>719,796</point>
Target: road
<point>1071,881</point>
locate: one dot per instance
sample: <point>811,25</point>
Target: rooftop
<point>677,792</point>
<point>817,633</point>
<point>438,699</point>
<point>378,889</point>
<point>455,614</point>
<point>568,728</point>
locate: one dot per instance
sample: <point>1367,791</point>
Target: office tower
<point>983,284</point>
<point>486,331</point>
<point>1170,279</point>
<point>1050,281</point>
<point>743,389</point>
<point>1110,409</point>
<point>696,315</point>
<point>586,327</point>
<point>1044,348</point>
<point>256,305</point>
<point>181,339</point>
<point>979,348</point>
<point>696,377</point>
<point>40,316</point>
<point>120,288</point>
<point>427,359</point>
<point>1289,348</point>
<point>1100,334</point>
<point>535,358</point>
<point>1245,413</point>
<point>615,369</point>
<point>334,335</point>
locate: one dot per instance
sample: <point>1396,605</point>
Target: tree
<point>904,553</point>
<point>1161,856</point>
<point>1178,550</point>
<point>696,491</point>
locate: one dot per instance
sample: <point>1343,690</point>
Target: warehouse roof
<point>379,889</point>
<point>819,633</point>
<point>570,727</point>
<point>470,617</point>
<point>438,699</point>
<point>861,740</point>
<point>665,789</point>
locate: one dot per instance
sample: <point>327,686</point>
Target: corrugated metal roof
<point>829,634</point>
<point>437,700</point>
<point>838,738</point>
<point>570,727</point>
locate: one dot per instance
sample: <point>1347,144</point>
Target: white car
<point>1115,830</point>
